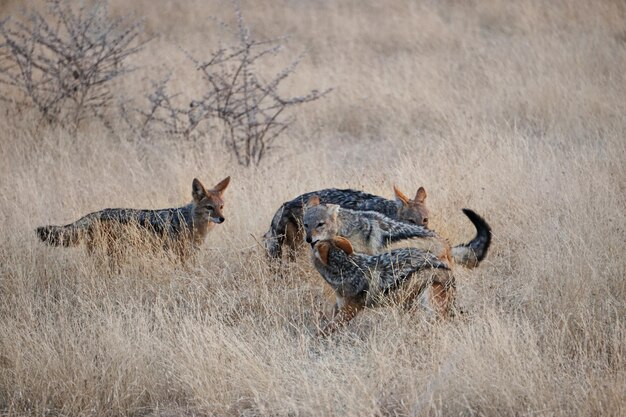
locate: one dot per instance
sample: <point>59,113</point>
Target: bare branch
<point>250,110</point>
<point>64,63</point>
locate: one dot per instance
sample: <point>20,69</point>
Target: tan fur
<point>343,244</point>
<point>437,245</point>
<point>434,288</point>
<point>345,310</point>
<point>321,252</point>
<point>400,195</point>
<point>420,196</point>
<point>313,201</point>
<point>293,238</point>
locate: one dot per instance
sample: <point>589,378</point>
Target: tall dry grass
<point>514,110</point>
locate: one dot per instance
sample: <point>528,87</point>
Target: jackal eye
<point>210,208</point>
<point>306,226</point>
<point>425,219</point>
<point>320,224</point>
<point>222,207</point>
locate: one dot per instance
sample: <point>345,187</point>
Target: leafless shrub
<point>63,63</point>
<point>249,109</point>
<point>164,115</point>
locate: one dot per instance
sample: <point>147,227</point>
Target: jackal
<point>361,280</point>
<point>371,232</point>
<point>368,231</point>
<point>286,226</point>
<point>178,228</point>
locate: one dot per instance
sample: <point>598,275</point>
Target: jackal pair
<point>180,229</point>
<point>348,230</point>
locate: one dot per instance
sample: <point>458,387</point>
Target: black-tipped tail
<point>58,235</point>
<point>472,253</point>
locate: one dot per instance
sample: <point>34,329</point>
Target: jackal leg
<point>344,311</point>
<point>442,293</point>
<point>434,290</point>
<point>293,239</point>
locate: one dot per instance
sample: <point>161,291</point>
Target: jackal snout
<point>320,221</point>
<point>312,237</point>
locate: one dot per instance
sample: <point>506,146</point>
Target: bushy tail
<point>70,234</point>
<point>472,253</point>
<point>59,235</point>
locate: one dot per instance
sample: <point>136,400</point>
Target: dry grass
<point>514,110</point>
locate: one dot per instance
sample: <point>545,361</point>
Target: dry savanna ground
<point>514,109</point>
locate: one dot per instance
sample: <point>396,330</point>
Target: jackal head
<point>412,211</point>
<point>209,203</point>
<point>320,221</point>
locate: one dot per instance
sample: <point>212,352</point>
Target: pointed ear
<point>400,196</point>
<point>313,201</point>
<point>343,244</point>
<point>321,251</point>
<point>197,190</point>
<point>333,210</point>
<point>420,196</point>
<point>221,186</point>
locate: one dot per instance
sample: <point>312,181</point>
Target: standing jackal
<point>371,232</point>
<point>178,228</point>
<point>286,226</point>
<point>361,280</point>
<point>368,231</point>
